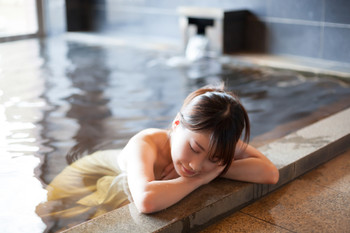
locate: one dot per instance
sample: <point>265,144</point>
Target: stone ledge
<point>294,155</point>
<point>305,65</point>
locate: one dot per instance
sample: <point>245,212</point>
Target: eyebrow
<point>199,145</point>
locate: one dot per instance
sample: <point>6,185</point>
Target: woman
<point>158,167</point>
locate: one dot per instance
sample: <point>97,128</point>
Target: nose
<point>196,164</point>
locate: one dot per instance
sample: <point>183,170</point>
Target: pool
<point>62,97</point>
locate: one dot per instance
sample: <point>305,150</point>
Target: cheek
<point>209,166</point>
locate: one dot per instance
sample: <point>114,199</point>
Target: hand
<point>169,173</point>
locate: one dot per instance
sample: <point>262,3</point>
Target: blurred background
<point>316,29</point>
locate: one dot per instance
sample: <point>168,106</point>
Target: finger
<point>171,175</point>
<point>167,169</point>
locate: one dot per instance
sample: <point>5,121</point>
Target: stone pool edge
<point>302,151</point>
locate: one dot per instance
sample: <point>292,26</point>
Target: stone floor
<point>318,201</point>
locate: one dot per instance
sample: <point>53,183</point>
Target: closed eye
<point>214,159</point>
<point>197,152</point>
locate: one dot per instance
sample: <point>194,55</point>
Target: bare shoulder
<point>151,136</point>
<point>144,144</point>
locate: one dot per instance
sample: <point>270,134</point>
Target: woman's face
<point>189,152</point>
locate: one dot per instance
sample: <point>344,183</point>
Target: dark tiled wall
<point>309,28</point>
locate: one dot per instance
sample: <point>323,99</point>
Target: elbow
<point>273,176</point>
<point>145,204</point>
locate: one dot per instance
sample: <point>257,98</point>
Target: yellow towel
<point>89,187</point>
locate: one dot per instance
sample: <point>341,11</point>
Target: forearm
<point>252,166</point>
<point>160,194</point>
<point>253,170</point>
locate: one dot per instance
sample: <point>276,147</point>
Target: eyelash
<point>214,160</point>
<point>193,149</point>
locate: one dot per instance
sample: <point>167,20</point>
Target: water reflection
<point>21,147</point>
<point>89,107</point>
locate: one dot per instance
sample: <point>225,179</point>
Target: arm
<point>252,166</point>
<point>152,195</point>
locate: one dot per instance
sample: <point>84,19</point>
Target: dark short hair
<point>221,114</point>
